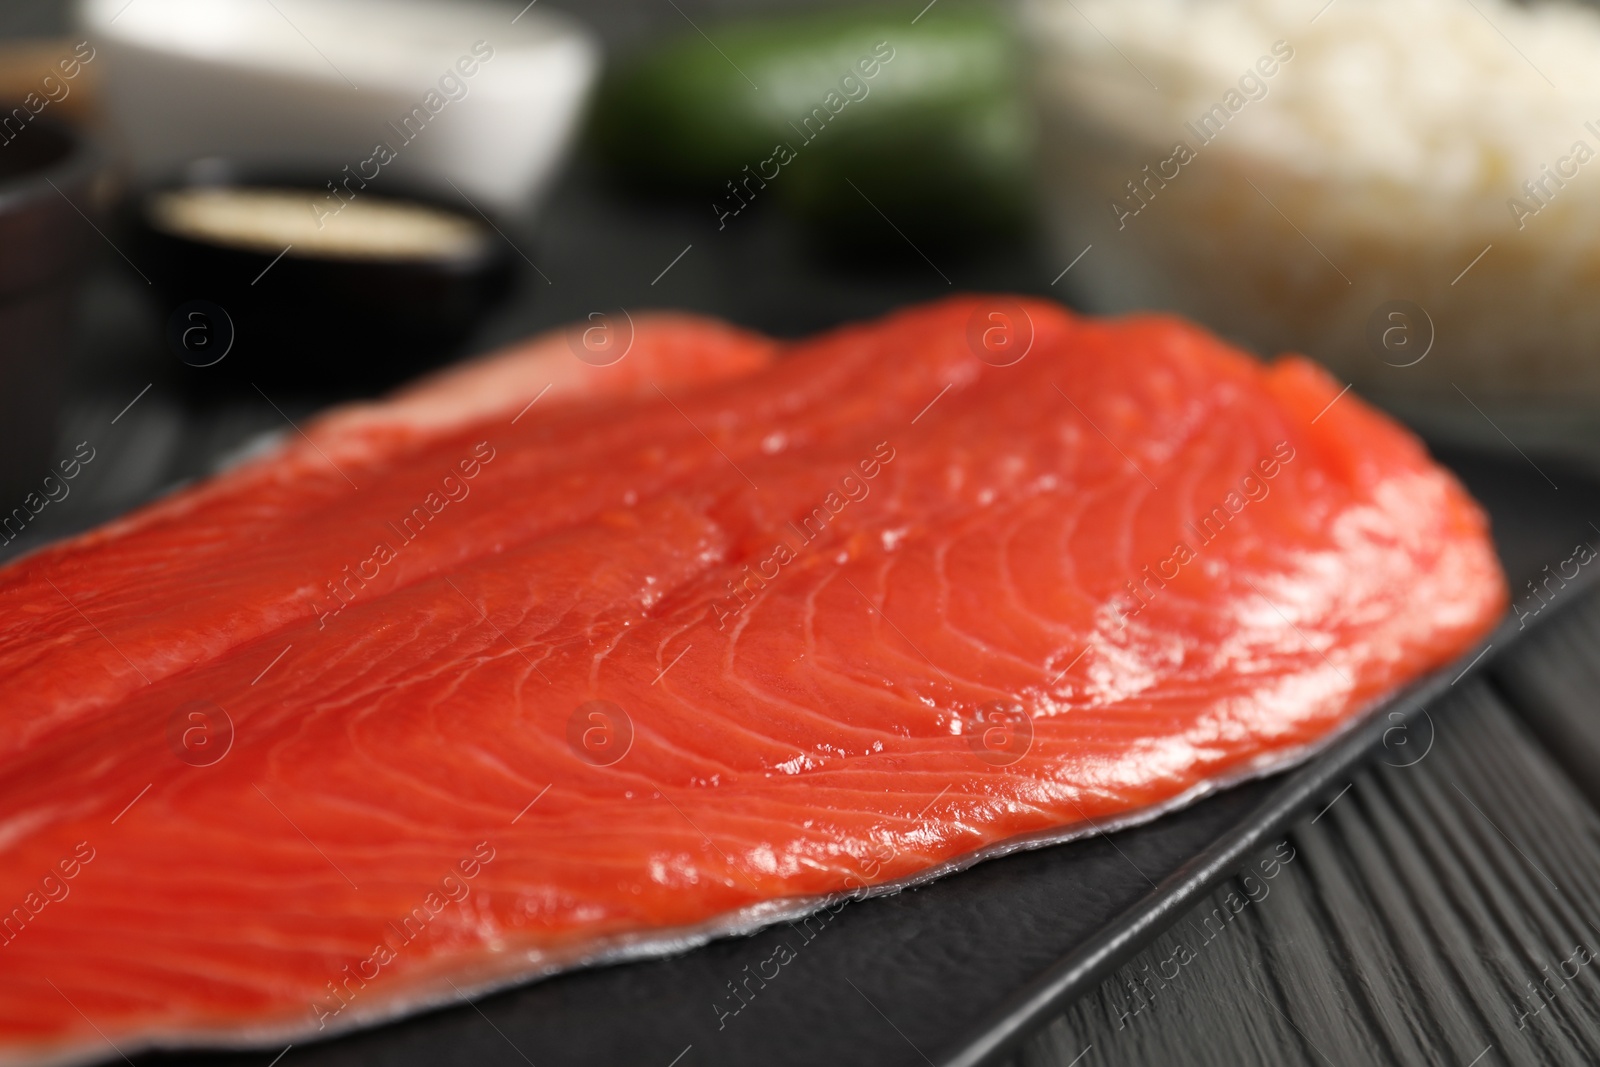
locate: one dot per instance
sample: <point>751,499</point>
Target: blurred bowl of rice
<point>1404,189</point>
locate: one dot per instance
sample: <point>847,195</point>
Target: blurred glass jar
<point>47,174</point>
<point>1389,186</point>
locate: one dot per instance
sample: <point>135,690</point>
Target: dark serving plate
<point>960,970</point>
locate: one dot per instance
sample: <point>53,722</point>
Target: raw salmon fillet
<point>540,663</point>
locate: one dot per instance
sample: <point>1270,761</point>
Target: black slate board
<point>905,979</point>
<point>1415,923</point>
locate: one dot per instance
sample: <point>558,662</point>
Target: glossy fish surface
<point>549,659</point>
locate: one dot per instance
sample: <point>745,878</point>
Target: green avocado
<point>845,119</point>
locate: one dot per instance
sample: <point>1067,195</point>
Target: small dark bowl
<point>48,174</point>
<point>313,323</point>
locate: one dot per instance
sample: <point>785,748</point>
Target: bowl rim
<point>227,174</point>
<point>84,157</point>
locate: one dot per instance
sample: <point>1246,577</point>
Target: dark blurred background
<point>598,246</point>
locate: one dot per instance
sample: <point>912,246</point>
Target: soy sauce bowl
<point>277,281</point>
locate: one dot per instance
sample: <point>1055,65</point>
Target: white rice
<point>1383,159</point>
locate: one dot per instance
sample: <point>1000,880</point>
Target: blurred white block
<point>313,86</point>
